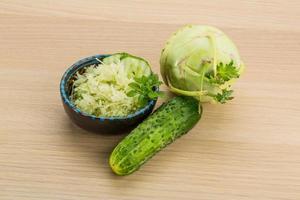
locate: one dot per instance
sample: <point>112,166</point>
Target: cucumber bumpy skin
<point>170,121</point>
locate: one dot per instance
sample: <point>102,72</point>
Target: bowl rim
<point>78,65</point>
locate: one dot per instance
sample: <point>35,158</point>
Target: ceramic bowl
<point>90,122</point>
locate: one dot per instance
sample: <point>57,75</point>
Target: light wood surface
<point>247,149</point>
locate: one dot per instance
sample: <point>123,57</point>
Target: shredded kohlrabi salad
<point>101,90</point>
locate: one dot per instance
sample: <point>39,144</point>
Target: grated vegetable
<point>101,90</point>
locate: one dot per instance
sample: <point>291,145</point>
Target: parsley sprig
<point>224,96</point>
<point>144,87</point>
<point>224,73</point>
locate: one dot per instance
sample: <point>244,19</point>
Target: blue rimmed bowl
<point>90,122</point>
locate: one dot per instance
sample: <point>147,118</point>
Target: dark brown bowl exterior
<point>104,125</point>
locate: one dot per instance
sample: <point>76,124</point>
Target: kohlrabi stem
<point>202,79</point>
<point>212,38</point>
<point>187,93</point>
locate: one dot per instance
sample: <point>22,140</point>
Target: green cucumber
<point>170,121</point>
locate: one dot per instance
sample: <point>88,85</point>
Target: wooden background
<point>247,149</point>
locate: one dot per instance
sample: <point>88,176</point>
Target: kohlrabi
<point>201,61</point>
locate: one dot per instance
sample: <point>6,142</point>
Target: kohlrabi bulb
<point>201,61</point>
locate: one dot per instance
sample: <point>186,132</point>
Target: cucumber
<point>170,121</point>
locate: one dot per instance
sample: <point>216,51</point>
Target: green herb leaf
<point>224,96</point>
<point>143,86</point>
<point>224,73</point>
<point>143,100</point>
<point>131,93</point>
<point>134,86</point>
<point>153,95</point>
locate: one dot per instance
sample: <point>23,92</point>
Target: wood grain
<point>247,149</point>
